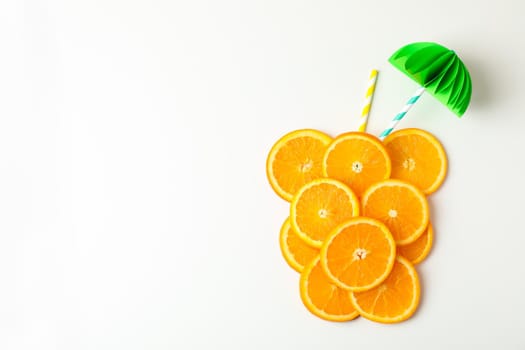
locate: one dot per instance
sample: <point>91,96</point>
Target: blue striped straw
<point>411,101</point>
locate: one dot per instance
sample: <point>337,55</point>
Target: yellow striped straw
<point>368,100</point>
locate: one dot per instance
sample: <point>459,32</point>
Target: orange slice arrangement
<point>359,218</point>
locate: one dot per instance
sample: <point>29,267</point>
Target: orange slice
<point>359,254</point>
<point>323,298</point>
<point>401,206</point>
<point>357,159</point>
<point>417,157</point>
<point>319,206</point>
<point>394,300</point>
<point>295,159</point>
<point>296,253</point>
<point>418,250</point>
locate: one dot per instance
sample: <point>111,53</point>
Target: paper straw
<point>411,101</point>
<point>368,100</point>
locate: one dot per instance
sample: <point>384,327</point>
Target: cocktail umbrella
<point>437,70</point>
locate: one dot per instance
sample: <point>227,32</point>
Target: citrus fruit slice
<point>323,298</point>
<point>357,159</point>
<point>358,254</point>
<point>417,157</point>
<point>401,206</point>
<point>319,206</point>
<point>296,253</point>
<point>394,300</point>
<point>295,159</point>
<point>418,250</point>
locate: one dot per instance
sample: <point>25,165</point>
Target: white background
<point>134,207</point>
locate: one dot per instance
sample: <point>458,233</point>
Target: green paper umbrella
<point>439,71</point>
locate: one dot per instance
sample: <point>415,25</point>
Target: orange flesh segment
<point>394,300</point>
<point>418,250</point>
<point>295,251</point>
<point>401,206</point>
<point>417,157</point>
<point>359,254</point>
<point>357,159</point>
<point>322,297</point>
<point>296,159</point>
<point>319,207</point>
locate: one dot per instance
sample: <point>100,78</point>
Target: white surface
<point>134,208</point>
